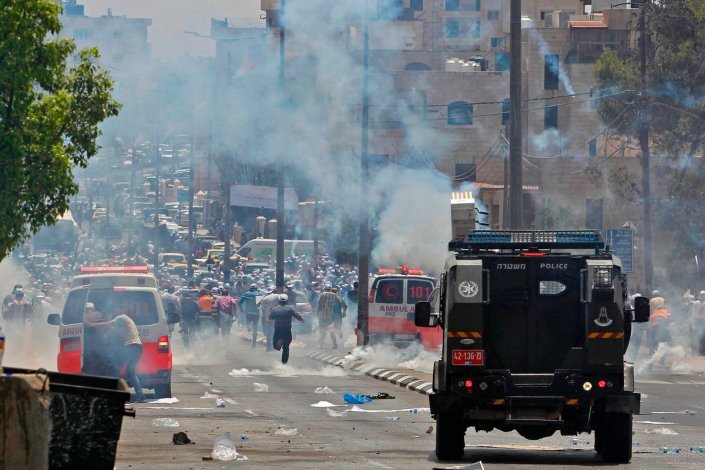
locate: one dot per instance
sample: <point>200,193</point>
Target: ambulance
<point>393,295</point>
<point>130,290</point>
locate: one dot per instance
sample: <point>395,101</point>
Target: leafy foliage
<point>672,104</point>
<point>49,117</point>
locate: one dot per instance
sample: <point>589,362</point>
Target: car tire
<point>613,437</point>
<point>162,390</point>
<point>450,437</point>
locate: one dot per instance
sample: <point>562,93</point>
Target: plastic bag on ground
<point>220,403</point>
<point>209,395</point>
<point>324,404</point>
<point>165,422</point>
<point>323,391</point>
<point>356,399</point>
<point>224,449</point>
<point>283,431</point>
<point>261,387</point>
<point>166,401</point>
<point>662,431</point>
<point>336,414</point>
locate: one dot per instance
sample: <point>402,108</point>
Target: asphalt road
<point>392,438</point>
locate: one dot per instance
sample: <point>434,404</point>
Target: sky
<point>170,18</point>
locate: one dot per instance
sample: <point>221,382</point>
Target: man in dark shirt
<point>282,315</point>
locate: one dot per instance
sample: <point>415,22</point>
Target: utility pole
<point>363,307</point>
<point>279,282</point>
<point>191,219</point>
<point>644,116</point>
<point>315,234</point>
<point>515,120</point>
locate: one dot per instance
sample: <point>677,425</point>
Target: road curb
<point>387,375</point>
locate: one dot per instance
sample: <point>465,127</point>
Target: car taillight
<point>372,296</point>
<point>468,386</point>
<point>163,344</point>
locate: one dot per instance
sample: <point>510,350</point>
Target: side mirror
<point>641,309</point>
<point>422,315</point>
<point>54,319</point>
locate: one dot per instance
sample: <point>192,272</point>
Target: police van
<point>535,327</point>
<point>129,290</point>
<point>393,295</point>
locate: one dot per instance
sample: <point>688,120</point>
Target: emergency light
<point>114,269</point>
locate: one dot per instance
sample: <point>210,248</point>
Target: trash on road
<point>243,437</point>
<point>323,390</point>
<point>662,431</point>
<point>357,409</point>
<point>165,401</point>
<point>670,450</point>
<point>382,396</point>
<point>165,423</point>
<point>284,431</point>
<point>429,430</point>
<point>472,466</point>
<point>244,372</point>
<point>220,403</point>
<point>180,438</point>
<point>698,450</point>
<point>393,418</point>
<point>324,404</point>
<point>684,412</point>
<point>261,387</point>
<point>209,395</point>
<point>579,442</point>
<point>356,399</point>
<point>336,414</point>
<point>224,449</point>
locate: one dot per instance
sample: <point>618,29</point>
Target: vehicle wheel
<point>613,437</point>
<point>162,390</point>
<point>450,438</point>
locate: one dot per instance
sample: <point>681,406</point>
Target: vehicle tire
<point>450,438</point>
<point>613,437</point>
<point>162,390</point>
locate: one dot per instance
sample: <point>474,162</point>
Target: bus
<point>259,249</point>
<point>61,238</point>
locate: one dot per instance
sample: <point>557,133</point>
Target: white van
<point>258,249</point>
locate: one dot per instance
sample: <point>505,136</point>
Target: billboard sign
<point>265,197</point>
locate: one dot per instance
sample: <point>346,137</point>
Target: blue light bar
<point>542,239</point>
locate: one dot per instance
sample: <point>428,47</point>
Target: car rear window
<point>138,305</point>
<point>418,290</point>
<point>389,291</point>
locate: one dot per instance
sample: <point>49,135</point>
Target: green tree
<point>49,117</point>
<point>672,104</point>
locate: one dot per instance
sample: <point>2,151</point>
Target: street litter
<point>209,395</point>
<point>165,423</point>
<point>654,422</point>
<point>393,418</point>
<point>697,450</point>
<point>324,404</point>
<point>579,442</point>
<point>244,372</point>
<point>662,431</point>
<point>243,437</point>
<point>165,401</point>
<point>261,387</point>
<point>215,390</point>
<point>286,431</point>
<point>224,449</point>
<point>220,403</point>
<point>670,450</point>
<point>323,390</point>
<point>356,399</point>
<point>684,412</point>
<point>429,430</point>
<point>472,466</point>
<point>180,438</point>
<point>336,414</point>
<point>411,410</point>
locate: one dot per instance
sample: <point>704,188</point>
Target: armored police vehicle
<point>535,326</point>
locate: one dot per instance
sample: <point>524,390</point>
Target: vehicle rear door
<point>534,313</point>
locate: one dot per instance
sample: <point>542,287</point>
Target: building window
<point>452,29</point>
<point>497,42</point>
<point>417,66</point>
<point>417,5</point>
<point>592,148</point>
<point>465,172</point>
<point>550,117</point>
<point>501,61</point>
<point>460,114</point>
<point>82,33</point>
<point>550,72</point>
<point>118,33</point>
<point>452,5</point>
<point>493,15</point>
<point>478,5</point>
<point>505,112</point>
<point>478,29</point>
<point>389,9</point>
